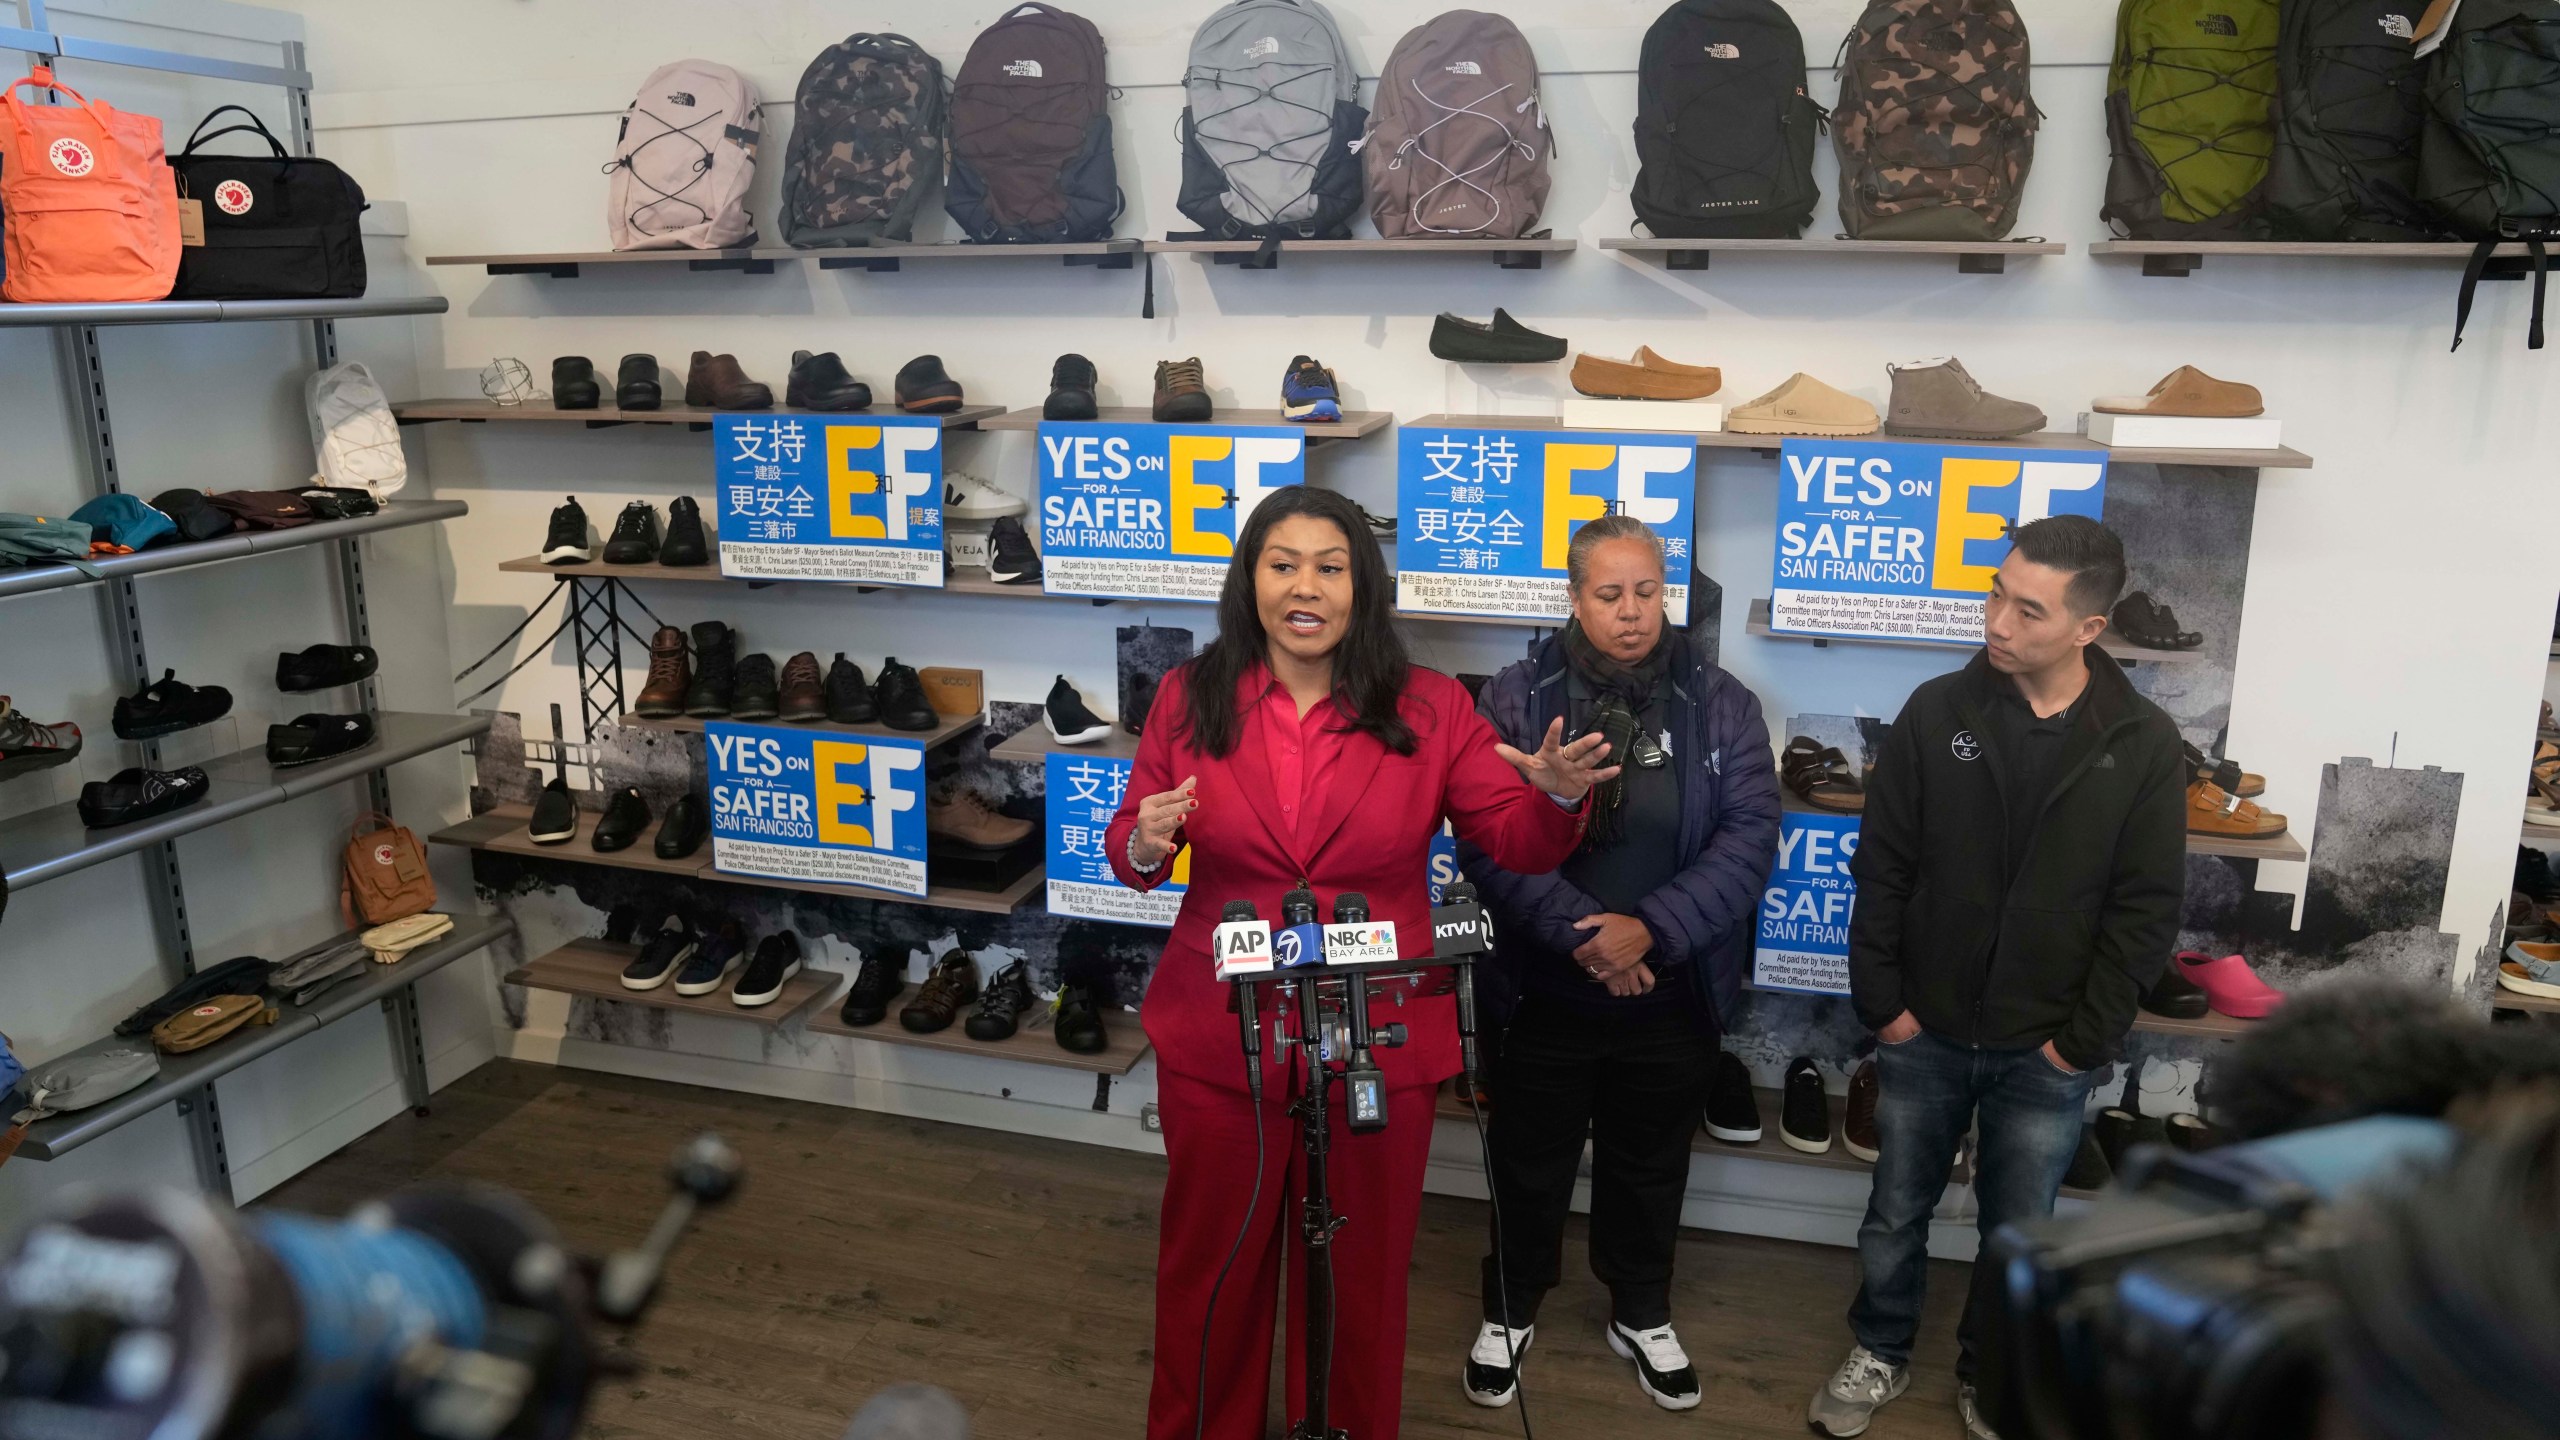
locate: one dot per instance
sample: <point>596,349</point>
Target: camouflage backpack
<point>2191,118</point>
<point>1935,127</point>
<point>866,143</point>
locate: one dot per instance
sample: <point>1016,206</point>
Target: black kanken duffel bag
<point>276,227</point>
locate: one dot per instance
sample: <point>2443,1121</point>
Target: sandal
<point>2226,774</point>
<point>1821,777</point>
<point>2153,626</point>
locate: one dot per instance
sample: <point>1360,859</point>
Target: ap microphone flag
<point>1242,943</point>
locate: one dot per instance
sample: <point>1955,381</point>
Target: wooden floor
<point>1017,1272</point>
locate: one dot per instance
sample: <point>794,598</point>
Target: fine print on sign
<point>1805,909</point>
<point>1888,540</point>
<point>1483,516</point>
<point>792,805</point>
<point>1151,512</point>
<point>855,499</point>
<point>1084,793</point>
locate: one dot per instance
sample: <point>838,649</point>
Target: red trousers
<point>1376,1181</point>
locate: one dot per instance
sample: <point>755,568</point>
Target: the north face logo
<point>232,197</point>
<point>1465,67</point>
<point>1024,69</point>
<point>71,157</point>
<point>2397,27</point>
<point>1262,48</point>
<point>1724,50</point>
<point>2217,25</point>
<point>682,97</point>
<point>1964,746</point>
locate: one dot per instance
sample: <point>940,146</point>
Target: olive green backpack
<point>2191,118</point>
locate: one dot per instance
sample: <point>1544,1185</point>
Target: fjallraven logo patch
<point>2398,27</point>
<point>71,157</point>
<point>1964,746</point>
<point>382,854</point>
<point>1464,67</point>
<point>232,198</point>
<point>1023,69</point>
<point>1724,50</point>
<point>1262,48</point>
<point>2217,25</point>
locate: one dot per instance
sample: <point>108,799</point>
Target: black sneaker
<point>881,980</point>
<point>309,739</point>
<point>1069,722</point>
<point>1000,1005</point>
<point>1733,1112</point>
<point>1071,383</point>
<point>1493,1366</point>
<point>1662,1367</point>
<point>849,699</point>
<point>924,388</point>
<point>326,667</point>
<point>820,382</point>
<point>1010,558</point>
<point>566,542</point>
<point>573,383</point>
<point>900,694</point>
<point>715,672</point>
<point>684,544</point>
<point>1805,1120</point>
<point>666,949</point>
<point>168,705</point>
<point>625,816</point>
<point>140,795</point>
<point>555,816</point>
<point>635,536</point>
<point>758,692</point>
<point>684,829</point>
<point>721,953</point>
<point>777,960</point>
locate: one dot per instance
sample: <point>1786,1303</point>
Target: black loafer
<point>636,386</point>
<point>820,382</point>
<point>311,738</point>
<point>325,667</point>
<point>924,388</point>
<point>168,705</point>
<point>1079,1022</point>
<point>573,383</point>
<point>684,829</point>
<point>625,816</point>
<point>140,795</point>
<point>1503,342</point>
<point>555,815</point>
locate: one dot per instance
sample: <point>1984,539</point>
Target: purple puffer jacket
<point>1705,918</point>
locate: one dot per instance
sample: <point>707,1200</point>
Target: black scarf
<point>1620,693</point>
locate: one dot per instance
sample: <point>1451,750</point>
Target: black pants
<point>1632,1085</point>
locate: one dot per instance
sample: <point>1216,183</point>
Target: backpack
<point>263,509</point>
<point>36,539</point>
<point>683,159</point>
<point>2489,156</point>
<point>353,435</point>
<point>1724,124</point>
<point>2190,118</point>
<point>92,210</point>
<point>277,226</point>
<point>2350,102</point>
<point>1031,133</point>
<point>866,143</point>
<point>1457,143</point>
<point>1271,104</point>
<point>1935,127</point>
<point>385,874</point>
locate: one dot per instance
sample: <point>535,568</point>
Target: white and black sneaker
<point>777,960</point>
<point>1010,558</point>
<point>966,497</point>
<point>666,949</point>
<point>1804,1118</point>
<point>567,542</point>
<point>1662,1367</point>
<point>1068,719</point>
<point>1493,1366</point>
<point>1733,1112</point>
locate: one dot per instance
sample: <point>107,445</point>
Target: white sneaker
<point>966,497</point>
<point>1493,1366</point>
<point>1847,1402</point>
<point>1662,1367</point>
<point>1970,1412</point>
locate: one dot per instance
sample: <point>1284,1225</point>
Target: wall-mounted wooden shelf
<point>1027,1045</point>
<point>1972,257</point>
<point>482,412</point>
<point>2048,441</point>
<point>2505,999</point>
<point>760,260</point>
<point>884,259</point>
<point>1034,743</point>
<point>949,728</point>
<point>2209,1026</point>
<point>592,970</point>
<point>1353,424</point>
<point>2182,257</point>
<point>1525,253</point>
<point>1757,623</point>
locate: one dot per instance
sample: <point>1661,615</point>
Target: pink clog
<point>2229,985</point>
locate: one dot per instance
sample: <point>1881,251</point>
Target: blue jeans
<point>1932,1091</point>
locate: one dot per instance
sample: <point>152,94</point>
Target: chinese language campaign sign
<point>796,805</point>
<point>1805,907</point>
<point>1084,793</point>
<point>1151,512</point>
<point>1483,516</point>
<point>1878,538</point>
<point>810,497</point>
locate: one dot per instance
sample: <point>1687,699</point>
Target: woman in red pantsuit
<point>1301,747</point>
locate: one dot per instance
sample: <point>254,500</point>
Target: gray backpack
<point>1457,144</point>
<point>1271,107</point>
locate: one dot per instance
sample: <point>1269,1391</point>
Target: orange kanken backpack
<point>88,204</point>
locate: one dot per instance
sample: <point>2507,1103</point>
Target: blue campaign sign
<point>795,804</point>
<point>1805,908</point>
<point>1882,538</point>
<point>1151,512</point>
<point>1483,516</point>
<point>1084,793</point>
<point>829,497</point>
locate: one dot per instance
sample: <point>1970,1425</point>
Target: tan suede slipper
<point>1803,406</point>
<point>1647,377</point>
<point>2188,391</point>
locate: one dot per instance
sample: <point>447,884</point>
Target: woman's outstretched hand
<point>1565,771</point>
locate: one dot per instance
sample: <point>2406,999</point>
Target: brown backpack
<point>200,1025</point>
<point>1935,127</point>
<point>1031,132</point>
<point>1457,144</point>
<point>262,509</point>
<point>386,874</point>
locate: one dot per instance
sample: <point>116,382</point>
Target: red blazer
<point>1370,831</point>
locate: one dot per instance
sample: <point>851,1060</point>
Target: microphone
<point>1243,948</point>
<point>1300,940</point>
<point>1460,932</point>
<point>1364,1084</point>
<point>1353,939</point>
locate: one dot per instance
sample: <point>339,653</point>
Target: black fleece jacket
<point>2061,952</point>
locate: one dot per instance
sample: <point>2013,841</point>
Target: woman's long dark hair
<point>1369,666</point>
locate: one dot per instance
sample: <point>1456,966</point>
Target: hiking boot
<point>310,739</point>
<point>1647,377</point>
<point>26,746</point>
<point>138,794</point>
<point>1858,1121</point>
<point>2153,626</point>
<point>1936,398</point>
<point>952,984</point>
<point>878,983</point>
<point>685,544</point>
<point>635,385</point>
<point>573,383</point>
<point>1182,392</point>
<point>924,388</point>
<point>635,536</point>
<point>670,676</point>
<point>565,543</point>
<point>163,707</point>
<point>899,693</point>
<point>325,667</point>
<point>966,497</point>
<point>965,819</point>
<point>1803,406</point>
<point>1078,1025</point>
<point>1308,393</point>
<point>1068,719</point>
<point>718,382</point>
<point>1848,1401</point>
<point>715,671</point>
<point>848,695</point>
<point>1000,1007</point>
<point>1010,558</point>
<point>820,382</point>
<point>1071,382</point>
<point>1503,342</point>
<point>684,829</point>
<point>803,698</point>
<point>625,816</point>
<point>756,693</point>
<point>2212,810</point>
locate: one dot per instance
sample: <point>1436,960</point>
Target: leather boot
<point>820,382</point>
<point>757,694</point>
<point>670,676</point>
<point>715,671</point>
<point>573,383</point>
<point>1936,398</point>
<point>803,699</point>
<point>635,387</point>
<point>716,382</point>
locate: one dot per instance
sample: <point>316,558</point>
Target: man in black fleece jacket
<point>2020,868</point>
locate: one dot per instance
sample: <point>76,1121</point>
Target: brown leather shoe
<point>1647,377</point>
<point>716,382</point>
<point>968,820</point>
<point>952,986</point>
<point>2212,810</point>
<point>670,675</point>
<point>804,697</point>
<point>1182,393</point>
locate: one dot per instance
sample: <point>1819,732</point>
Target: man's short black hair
<point>2081,548</point>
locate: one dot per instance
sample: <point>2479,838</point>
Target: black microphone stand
<point>1311,1086</point>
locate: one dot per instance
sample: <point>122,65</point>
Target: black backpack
<point>1031,132</point>
<point>1725,127</point>
<point>2351,101</point>
<point>2489,158</point>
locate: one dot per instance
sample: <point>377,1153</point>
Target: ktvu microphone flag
<point>1151,512</point>
<point>807,497</point>
<point>831,808</point>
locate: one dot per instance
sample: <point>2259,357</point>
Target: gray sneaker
<point>1937,398</point>
<point>1967,1410</point>
<point>1848,1400</point>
